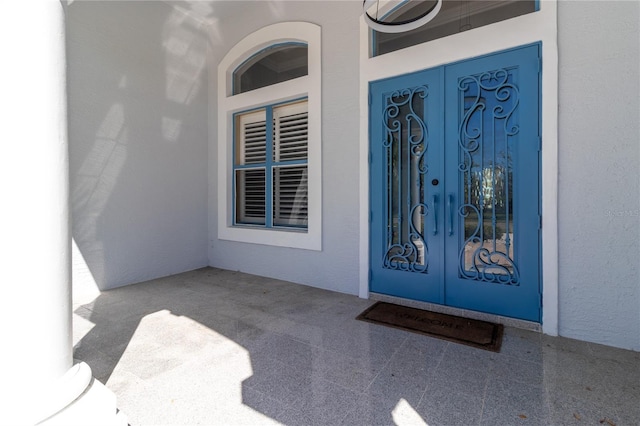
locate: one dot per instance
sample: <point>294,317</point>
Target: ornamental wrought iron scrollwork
<point>485,133</point>
<point>405,143</point>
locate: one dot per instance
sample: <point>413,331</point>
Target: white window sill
<point>310,240</point>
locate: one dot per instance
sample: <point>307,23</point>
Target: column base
<point>94,405</point>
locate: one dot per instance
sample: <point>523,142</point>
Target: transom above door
<point>455,188</point>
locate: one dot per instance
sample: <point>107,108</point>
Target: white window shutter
<point>290,186</point>
<point>253,138</point>
<point>290,132</point>
<point>290,190</point>
<point>251,183</point>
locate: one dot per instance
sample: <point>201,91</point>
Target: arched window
<point>269,123</point>
<point>274,64</point>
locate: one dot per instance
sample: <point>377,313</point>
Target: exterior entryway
<point>455,184</point>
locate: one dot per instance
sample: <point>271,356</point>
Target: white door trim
<point>525,29</point>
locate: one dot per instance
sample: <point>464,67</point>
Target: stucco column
<point>39,381</point>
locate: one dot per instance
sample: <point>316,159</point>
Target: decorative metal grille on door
<point>487,130</point>
<point>406,144</point>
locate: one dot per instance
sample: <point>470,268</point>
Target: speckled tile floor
<point>214,347</point>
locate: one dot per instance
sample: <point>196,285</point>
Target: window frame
<point>270,165</point>
<point>308,87</point>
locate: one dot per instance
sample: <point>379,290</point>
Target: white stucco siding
<point>138,141</point>
<point>599,180</point>
<point>143,126</point>
<point>335,267</point>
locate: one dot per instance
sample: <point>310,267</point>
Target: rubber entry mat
<point>476,333</point>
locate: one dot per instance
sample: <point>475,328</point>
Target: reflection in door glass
<point>406,145</point>
<point>488,131</point>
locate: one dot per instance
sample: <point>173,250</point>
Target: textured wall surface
<point>138,141</point>
<point>599,163</point>
<point>336,266</point>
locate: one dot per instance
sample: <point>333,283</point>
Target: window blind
<point>274,192</point>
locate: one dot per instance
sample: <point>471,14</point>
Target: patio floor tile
<point>221,347</point>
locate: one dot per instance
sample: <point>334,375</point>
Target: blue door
<point>455,186</point>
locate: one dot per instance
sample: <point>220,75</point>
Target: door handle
<point>450,208</point>
<point>434,207</point>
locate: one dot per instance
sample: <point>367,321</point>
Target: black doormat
<point>479,334</point>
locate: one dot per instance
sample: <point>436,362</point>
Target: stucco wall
<point>599,163</point>
<point>139,129</point>
<point>599,296</point>
<point>138,141</point>
<point>336,266</point>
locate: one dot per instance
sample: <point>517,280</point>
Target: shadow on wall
<point>138,141</point>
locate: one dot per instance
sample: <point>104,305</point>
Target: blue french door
<point>455,186</point>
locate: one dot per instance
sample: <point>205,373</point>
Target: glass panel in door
<point>488,131</point>
<point>405,148</point>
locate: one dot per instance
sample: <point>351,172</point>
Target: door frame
<point>540,26</point>
<point>441,283</point>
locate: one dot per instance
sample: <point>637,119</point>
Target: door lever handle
<point>450,208</point>
<point>434,207</point>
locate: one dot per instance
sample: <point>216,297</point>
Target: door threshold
<point>465,313</point>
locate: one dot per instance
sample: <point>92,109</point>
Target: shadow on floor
<point>221,347</point>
